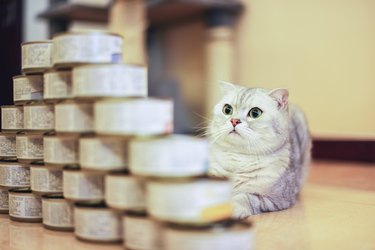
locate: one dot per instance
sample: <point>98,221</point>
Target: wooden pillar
<point>128,18</point>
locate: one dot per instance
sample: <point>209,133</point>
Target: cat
<point>262,145</point>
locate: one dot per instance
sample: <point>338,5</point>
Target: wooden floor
<point>336,210</point>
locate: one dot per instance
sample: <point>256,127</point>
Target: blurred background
<point>322,51</point>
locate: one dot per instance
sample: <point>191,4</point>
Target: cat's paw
<point>241,207</point>
<point>239,212</point>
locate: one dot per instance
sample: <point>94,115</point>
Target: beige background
<point>322,51</point>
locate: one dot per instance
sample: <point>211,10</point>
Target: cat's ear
<point>281,96</point>
<point>226,87</point>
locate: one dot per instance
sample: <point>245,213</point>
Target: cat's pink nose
<point>235,122</point>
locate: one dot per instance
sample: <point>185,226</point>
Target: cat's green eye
<point>227,109</point>
<point>255,113</point>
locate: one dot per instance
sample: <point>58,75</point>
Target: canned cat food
<point>57,85</point>
<point>70,49</point>
<point>11,118</point>
<point>74,117</point>
<point>36,56</point>
<point>14,174</point>
<point>172,156</point>
<point>209,199</point>
<point>103,153</point>
<point>141,233</point>
<point>140,117</point>
<point>4,201</point>
<point>109,80</point>
<point>45,179</point>
<point>7,146</point>
<point>39,117</point>
<point>57,213</point>
<point>124,192</point>
<point>29,147</point>
<point>27,88</point>
<point>95,222</point>
<point>217,236</point>
<point>82,186</point>
<point>60,149</point>
<point>24,206</point>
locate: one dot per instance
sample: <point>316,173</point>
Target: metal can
<point>7,146</point>
<point>103,153</point>
<point>4,201</point>
<point>60,149</point>
<point>141,232</point>
<point>217,236</point>
<point>134,117</point>
<point>95,222</point>
<point>14,174</point>
<point>27,88</point>
<point>74,117</point>
<point>39,117</point>
<point>82,186</point>
<point>57,85</point>
<point>125,192</point>
<point>24,206</point>
<point>45,179</point>
<point>36,56</point>
<point>57,213</point>
<point>71,49</point>
<point>109,80</point>
<point>11,118</point>
<point>209,199</point>
<point>172,156</point>
<point>29,147</point>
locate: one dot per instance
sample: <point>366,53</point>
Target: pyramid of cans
<point>85,150</point>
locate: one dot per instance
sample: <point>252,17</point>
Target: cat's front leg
<point>241,206</point>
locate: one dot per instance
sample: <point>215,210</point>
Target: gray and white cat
<point>262,144</point>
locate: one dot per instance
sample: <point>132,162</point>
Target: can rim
<point>91,204</point>
<point>110,65</point>
<point>90,33</point>
<point>55,196</point>
<point>23,190</point>
<point>229,223</point>
<point>36,41</point>
<point>27,76</point>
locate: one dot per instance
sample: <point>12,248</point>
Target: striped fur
<point>268,158</point>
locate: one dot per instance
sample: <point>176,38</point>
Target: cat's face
<point>250,120</point>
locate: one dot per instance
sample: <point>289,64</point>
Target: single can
<point>29,147</point>
<point>125,192</point>
<point>24,206</point>
<point>36,56</point>
<point>95,222</point>
<point>194,200</point>
<point>217,236</point>
<point>39,117</point>
<point>82,186</point>
<point>60,149</point>
<point>27,88</point>
<point>171,156</point>
<point>71,49</point>
<point>7,146</point>
<point>45,179</point>
<point>141,232</point>
<point>134,117</point>
<point>103,153</point>
<point>4,201</point>
<point>57,85</point>
<point>109,80</point>
<point>74,117</point>
<point>14,174</point>
<point>11,118</point>
<point>57,213</point>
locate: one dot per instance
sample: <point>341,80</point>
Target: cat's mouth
<point>234,132</point>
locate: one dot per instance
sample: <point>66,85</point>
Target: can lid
<point>26,190</point>
<point>53,196</point>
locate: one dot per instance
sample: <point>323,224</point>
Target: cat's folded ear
<point>281,96</point>
<point>226,87</point>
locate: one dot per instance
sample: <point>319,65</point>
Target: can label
<point>36,55</point>
<point>97,225</point>
<point>39,117</point>
<point>57,213</point>
<point>29,147</point>
<point>74,117</point>
<point>60,150</point>
<point>12,118</point>
<point>142,233</point>
<point>25,206</point>
<point>78,185</point>
<point>14,175</point>
<point>58,85</point>
<point>4,200</point>
<point>46,180</point>
<point>28,88</point>
<point>7,145</point>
